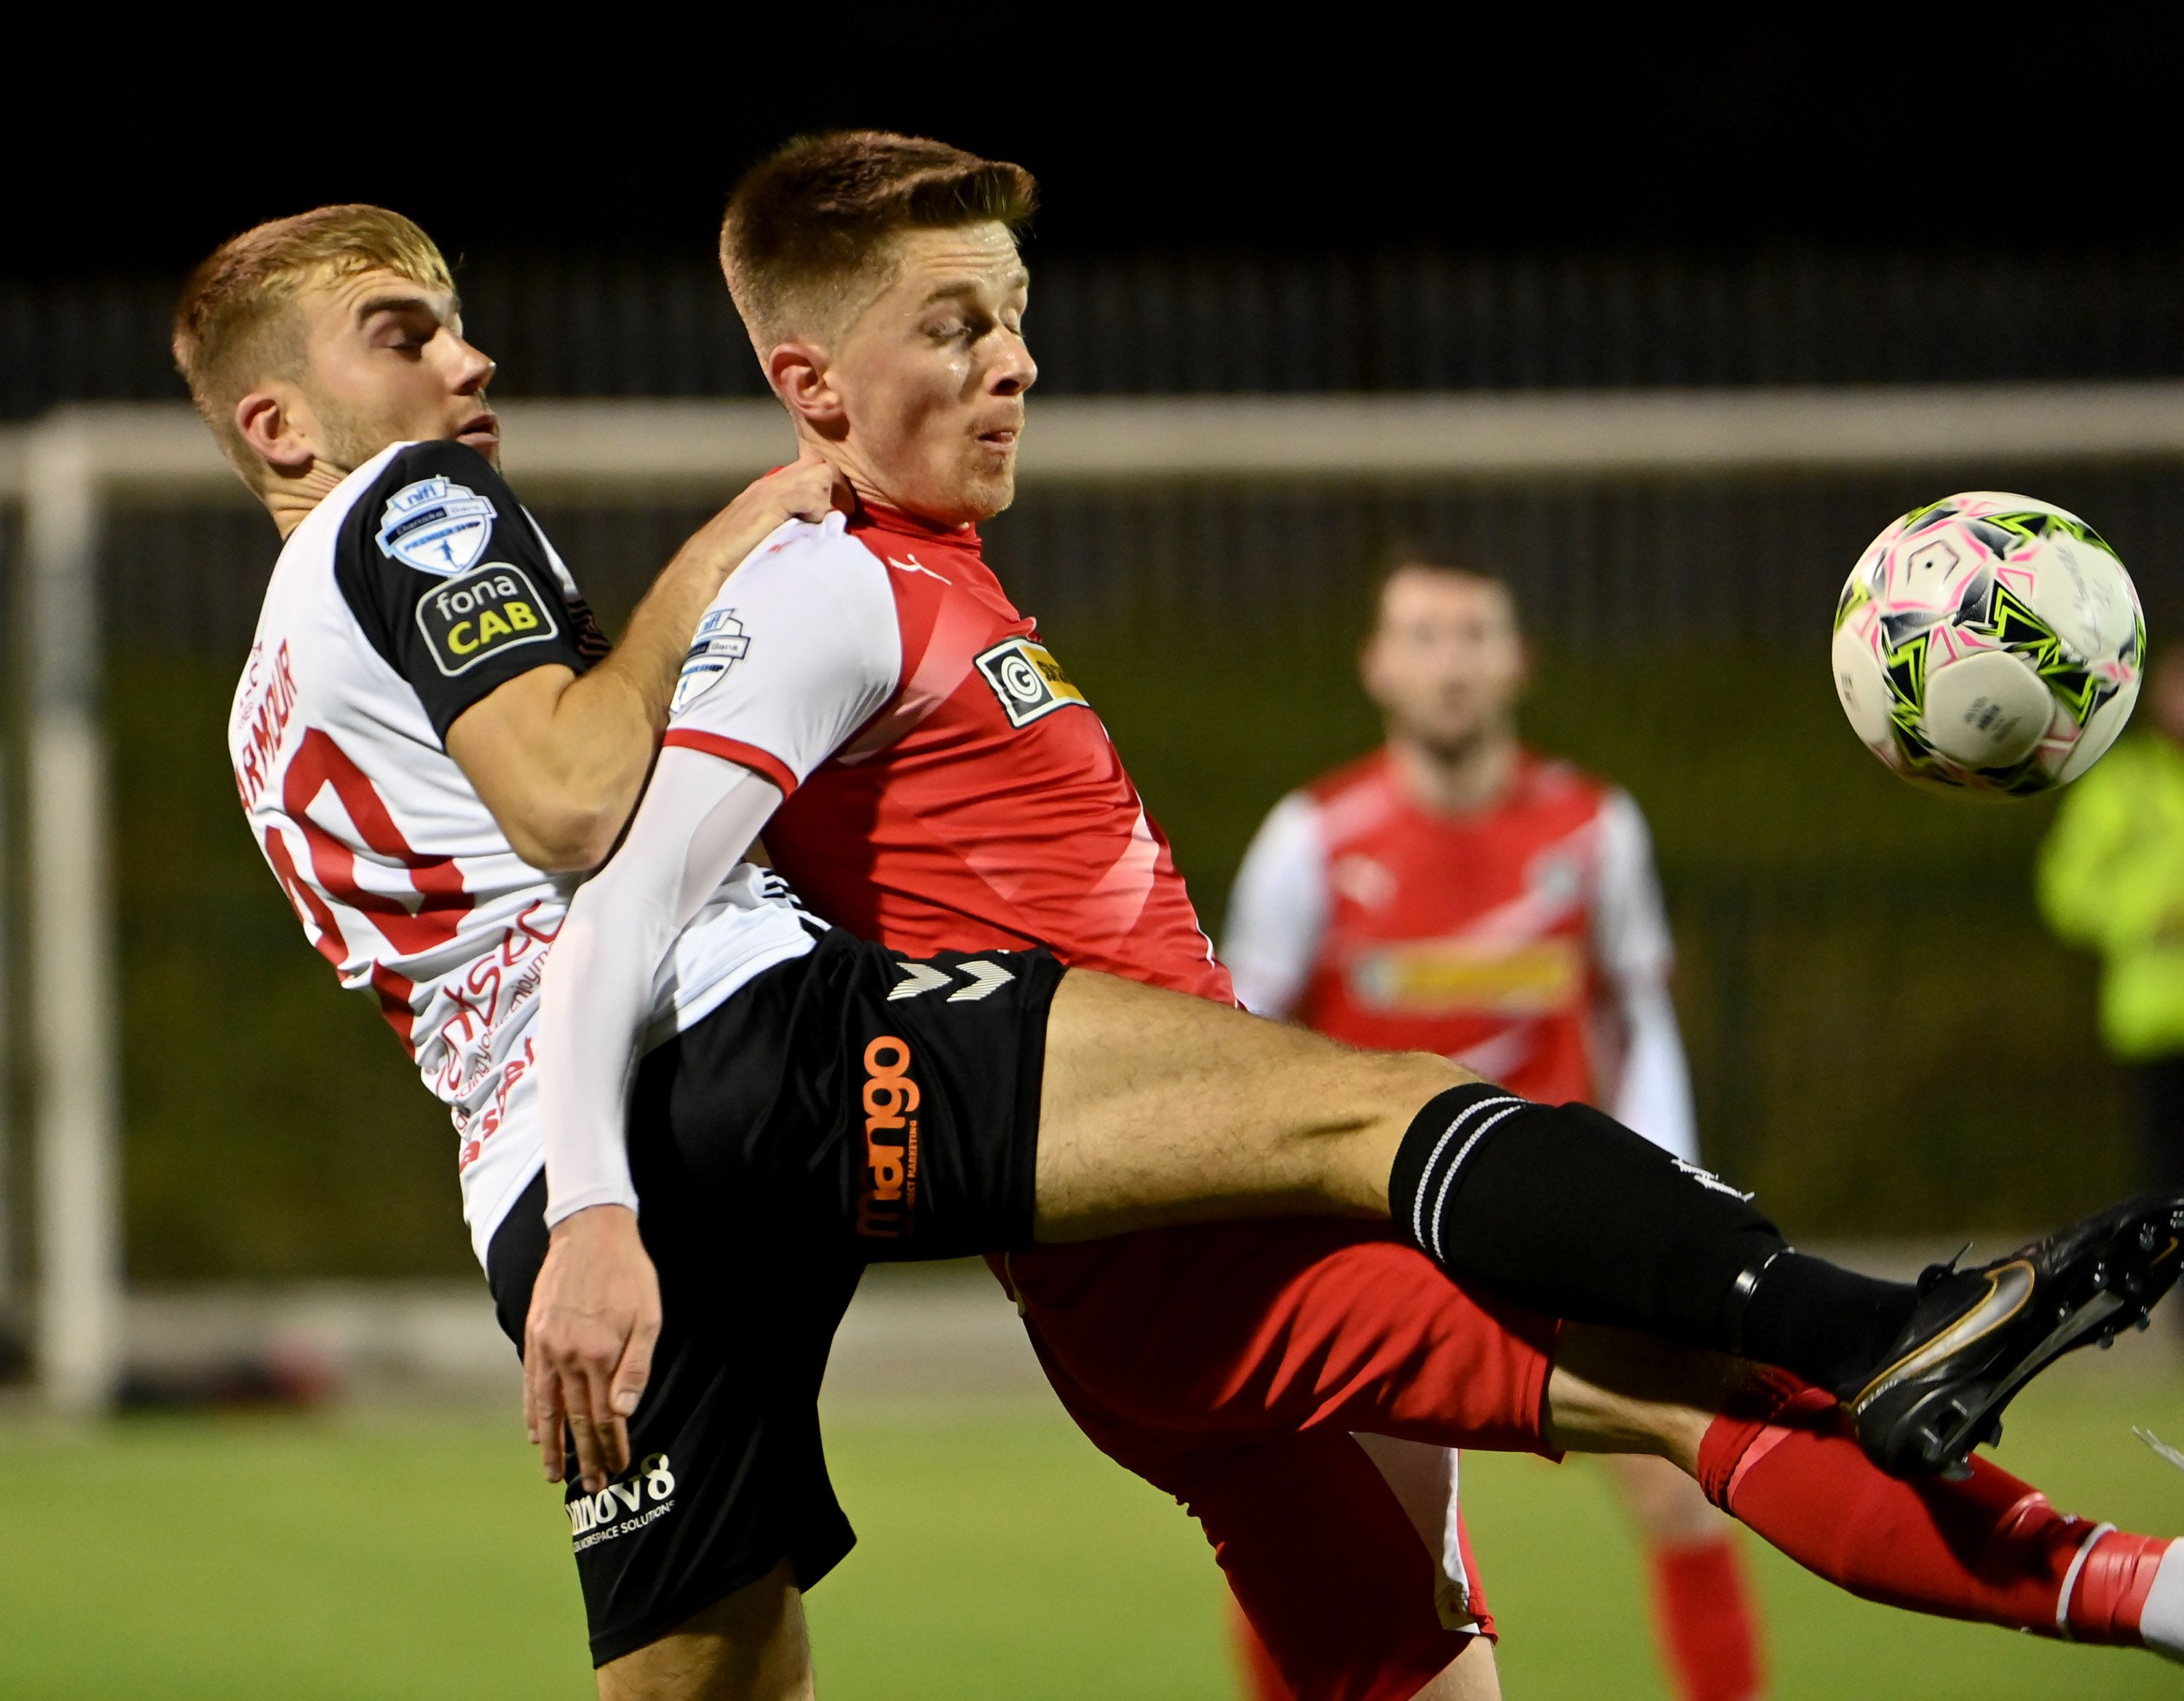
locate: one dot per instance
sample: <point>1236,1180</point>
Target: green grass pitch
<point>355,1557</point>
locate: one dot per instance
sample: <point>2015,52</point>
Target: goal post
<point>75,1040</point>
<point>67,472</point>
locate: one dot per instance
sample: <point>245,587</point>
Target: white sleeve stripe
<point>1278,912</point>
<point>1630,929</point>
<point>802,647</point>
<point>1653,1090</point>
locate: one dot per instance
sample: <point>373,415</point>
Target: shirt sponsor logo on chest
<point>1028,680</point>
<point>1452,977</point>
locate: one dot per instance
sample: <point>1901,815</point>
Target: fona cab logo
<point>652,1483</point>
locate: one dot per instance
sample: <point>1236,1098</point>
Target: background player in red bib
<point>1456,892</point>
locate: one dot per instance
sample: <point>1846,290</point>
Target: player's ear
<point>801,375</point>
<point>269,422</point>
<point>1372,674</point>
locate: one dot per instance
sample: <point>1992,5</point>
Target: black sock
<point>1566,1210</point>
<point>1830,1325</point>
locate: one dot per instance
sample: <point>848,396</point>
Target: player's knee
<point>751,1645</point>
<point>1342,1114</point>
<point>1384,1094</point>
<point>1342,1092</point>
<point>1410,1080</point>
<point>1371,1098</point>
<point>1470,1676</point>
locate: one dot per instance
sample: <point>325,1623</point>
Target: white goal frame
<point>66,472</point>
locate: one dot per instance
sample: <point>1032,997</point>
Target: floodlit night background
<point>1885,1040</point>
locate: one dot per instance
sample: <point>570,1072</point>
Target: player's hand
<point>807,489</point>
<point>588,1343</point>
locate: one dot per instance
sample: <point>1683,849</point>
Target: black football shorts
<point>850,1106</point>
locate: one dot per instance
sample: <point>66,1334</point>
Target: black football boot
<point>1978,1335</point>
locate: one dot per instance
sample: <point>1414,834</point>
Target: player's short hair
<point>807,229</point>
<point>1412,558</point>
<point>232,328</point>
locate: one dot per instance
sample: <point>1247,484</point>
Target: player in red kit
<point>1457,892</point>
<point>863,693</point>
<point>432,742</point>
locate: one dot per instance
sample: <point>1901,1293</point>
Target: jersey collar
<point>878,516</point>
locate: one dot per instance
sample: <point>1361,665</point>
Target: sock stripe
<point>1447,1182</point>
<point>1425,1173</point>
<point>2071,1579</point>
<point>2161,1613</point>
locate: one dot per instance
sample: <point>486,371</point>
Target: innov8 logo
<point>647,1493</point>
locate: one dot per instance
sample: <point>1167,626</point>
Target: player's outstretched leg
<point>1926,1369</point>
<point>1782,1457</point>
<point>1157,1108</point>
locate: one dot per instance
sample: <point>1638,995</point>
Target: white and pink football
<point>1989,642</point>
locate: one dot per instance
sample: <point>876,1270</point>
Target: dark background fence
<point>566,322</point>
<point>1882,1035</point>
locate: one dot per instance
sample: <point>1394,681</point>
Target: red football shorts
<point>1230,1365</point>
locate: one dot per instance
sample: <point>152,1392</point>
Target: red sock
<point>1987,1548</point>
<point>1702,1617</point>
<point>2112,1588</point>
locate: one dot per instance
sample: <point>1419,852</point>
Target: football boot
<point>1977,1335</point>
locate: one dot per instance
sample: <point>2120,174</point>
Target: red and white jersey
<point>1524,939</point>
<point>948,788</point>
<point>415,589</point>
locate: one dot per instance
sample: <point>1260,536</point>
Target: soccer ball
<point>1989,642</point>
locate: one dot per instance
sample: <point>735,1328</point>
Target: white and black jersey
<point>417,587</point>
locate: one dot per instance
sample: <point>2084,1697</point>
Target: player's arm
<point>804,649</point>
<point>595,1310</point>
<point>1652,1091</point>
<point>558,756</point>
<point>1277,909</point>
